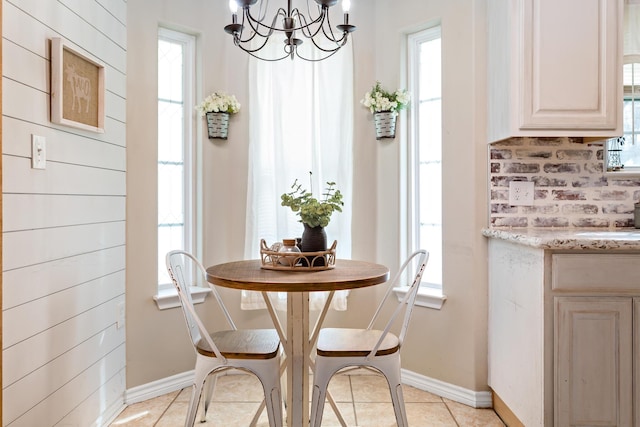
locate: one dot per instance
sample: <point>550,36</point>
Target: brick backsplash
<point>571,188</point>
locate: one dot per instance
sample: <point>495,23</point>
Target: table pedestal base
<point>297,359</point>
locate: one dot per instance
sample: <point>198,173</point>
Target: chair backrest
<point>418,259</point>
<point>179,264</point>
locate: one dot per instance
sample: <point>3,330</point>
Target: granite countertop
<point>565,239</point>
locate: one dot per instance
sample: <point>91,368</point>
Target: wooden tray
<point>297,261</point>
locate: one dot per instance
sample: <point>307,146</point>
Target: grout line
<point>452,416</point>
<point>167,408</point>
<point>353,401</point>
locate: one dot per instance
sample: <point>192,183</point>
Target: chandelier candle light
<point>253,32</point>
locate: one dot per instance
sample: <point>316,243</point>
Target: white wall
<point>64,227</point>
<point>449,345</point>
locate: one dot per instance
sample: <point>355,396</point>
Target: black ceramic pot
<point>314,239</point>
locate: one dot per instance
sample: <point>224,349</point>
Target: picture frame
<point>77,88</point>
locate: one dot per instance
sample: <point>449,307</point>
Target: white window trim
<point>167,297</point>
<point>630,172</point>
<point>428,296</point>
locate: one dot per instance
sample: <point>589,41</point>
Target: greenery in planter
<point>313,212</point>
<point>218,102</point>
<point>378,100</point>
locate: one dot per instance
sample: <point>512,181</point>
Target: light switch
<point>38,152</point>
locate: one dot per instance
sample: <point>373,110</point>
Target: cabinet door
<point>554,68</point>
<point>593,361</point>
<point>636,359</point>
<point>571,64</point>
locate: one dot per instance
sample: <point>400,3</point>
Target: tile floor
<point>363,399</point>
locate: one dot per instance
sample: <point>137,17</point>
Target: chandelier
<point>252,33</point>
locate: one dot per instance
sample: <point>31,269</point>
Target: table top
<point>248,275</point>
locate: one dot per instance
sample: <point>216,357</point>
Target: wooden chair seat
<point>243,344</point>
<point>343,342</point>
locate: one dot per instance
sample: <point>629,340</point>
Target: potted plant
<point>314,214</point>
<point>217,107</point>
<point>385,106</point>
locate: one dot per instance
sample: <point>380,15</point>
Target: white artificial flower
<point>378,100</point>
<point>218,102</point>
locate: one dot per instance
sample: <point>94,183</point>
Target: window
<point>624,153</point>
<point>176,59</point>
<point>425,154</point>
<point>310,130</point>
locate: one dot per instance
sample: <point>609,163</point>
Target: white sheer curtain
<point>301,121</point>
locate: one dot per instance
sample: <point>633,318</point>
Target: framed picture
<point>77,88</point>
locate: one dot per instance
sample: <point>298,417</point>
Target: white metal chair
<point>340,348</point>
<point>253,350</point>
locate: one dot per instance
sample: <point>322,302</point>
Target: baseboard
<point>110,414</point>
<point>475,399</point>
<point>505,413</point>
<point>159,387</point>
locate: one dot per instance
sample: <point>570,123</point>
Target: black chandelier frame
<point>294,22</point>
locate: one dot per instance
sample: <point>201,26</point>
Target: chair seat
<point>243,344</point>
<point>342,342</point>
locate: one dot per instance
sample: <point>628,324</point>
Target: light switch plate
<point>38,152</point>
<point>521,193</point>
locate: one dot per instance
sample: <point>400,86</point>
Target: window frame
<point>166,296</point>
<point>628,170</point>
<point>429,296</point>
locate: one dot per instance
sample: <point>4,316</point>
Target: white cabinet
<point>554,68</point>
<point>564,334</point>
<point>593,361</point>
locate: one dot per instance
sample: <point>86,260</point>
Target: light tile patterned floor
<point>363,400</point>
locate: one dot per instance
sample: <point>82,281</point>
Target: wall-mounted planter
<point>385,124</point>
<point>218,125</point>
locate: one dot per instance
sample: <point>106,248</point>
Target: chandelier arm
<point>242,45</point>
<point>305,28</point>
<point>262,12</point>
<point>252,53</point>
<point>257,25</point>
<point>331,53</point>
<point>332,36</point>
<point>307,25</point>
<point>318,9</point>
<point>332,50</point>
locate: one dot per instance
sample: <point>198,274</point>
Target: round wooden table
<point>297,342</point>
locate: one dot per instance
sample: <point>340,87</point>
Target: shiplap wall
<point>64,227</point>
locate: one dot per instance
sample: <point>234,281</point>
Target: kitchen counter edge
<point>569,239</point>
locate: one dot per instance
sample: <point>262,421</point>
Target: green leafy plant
<point>312,211</point>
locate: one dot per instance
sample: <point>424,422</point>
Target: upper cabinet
<point>554,68</point>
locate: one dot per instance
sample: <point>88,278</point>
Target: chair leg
<point>270,380</point>
<point>209,387</point>
<point>322,375</point>
<point>398,405</point>
<point>391,370</point>
<point>196,391</point>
